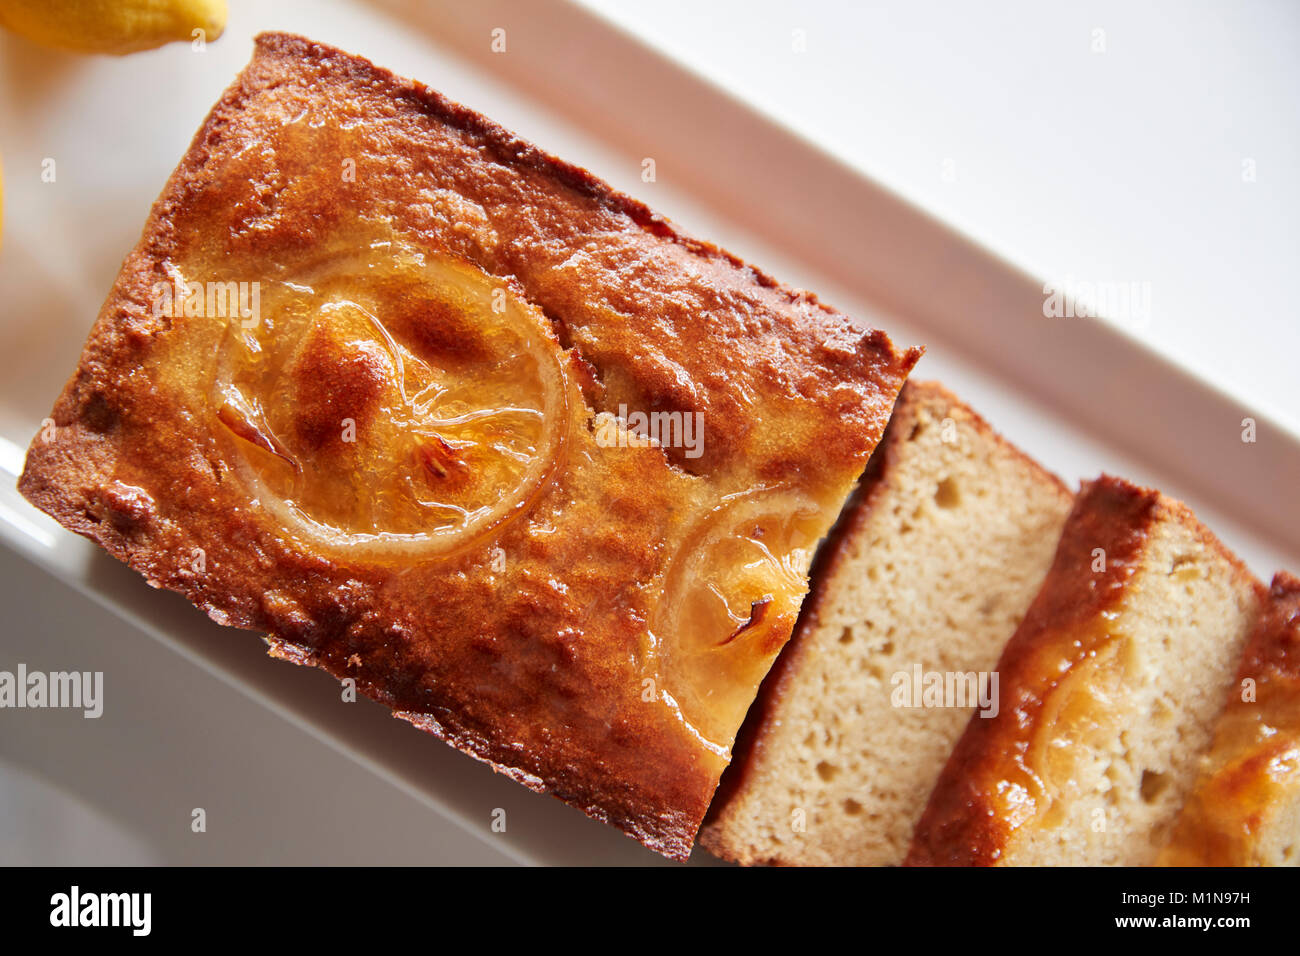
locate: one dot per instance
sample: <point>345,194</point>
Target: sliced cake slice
<point>928,573</point>
<point>1110,688</point>
<point>1245,809</point>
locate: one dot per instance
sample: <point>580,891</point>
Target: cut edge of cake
<point>1110,689</point>
<point>1245,808</point>
<point>932,565</point>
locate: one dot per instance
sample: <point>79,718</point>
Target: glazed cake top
<point>359,386</point>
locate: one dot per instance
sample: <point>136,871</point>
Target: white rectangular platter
<point>196,715</point>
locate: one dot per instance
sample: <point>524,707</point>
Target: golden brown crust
<point>1253,766</point>
<point>985,790</point>
<point>873,485</point>
<point>528,646</point>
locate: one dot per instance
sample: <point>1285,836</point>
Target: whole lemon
<point>112,26</point>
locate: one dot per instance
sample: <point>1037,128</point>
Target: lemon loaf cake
<point>453,419</point>
<point>1245,808</point>
<point>928,573</point>
<point>1110,689</point>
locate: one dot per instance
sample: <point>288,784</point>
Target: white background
<point>1124,165</point>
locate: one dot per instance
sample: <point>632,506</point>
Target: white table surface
<point>1121,166</point>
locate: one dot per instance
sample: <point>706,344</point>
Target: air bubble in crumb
<point>947,494</point>
<point>1153,784</point>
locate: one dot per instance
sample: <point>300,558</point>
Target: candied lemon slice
<point>730,601</point>
<point>391,404</point>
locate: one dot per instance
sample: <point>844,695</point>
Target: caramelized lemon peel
<point>731,597</point>
<point>399,406</point>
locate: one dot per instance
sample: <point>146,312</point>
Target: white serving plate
<point>188,714</point>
